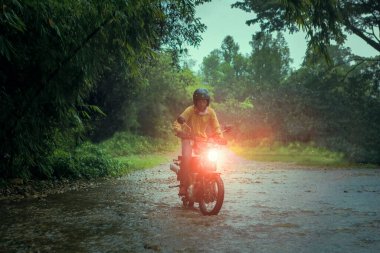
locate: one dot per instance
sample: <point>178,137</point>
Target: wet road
<point>268,207</point>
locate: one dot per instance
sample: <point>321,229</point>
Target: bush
<point>125,143</point>
<point>299,153</point>
<point>113,157</point>
<point>87,161</point>
<point>353,152</point>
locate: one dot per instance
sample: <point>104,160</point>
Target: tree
<point>229,49</point>
<point>334,107</point>
<point>211,67</point>
<point>269,61</point>
<point>163,97</point>
<point>323,21</point>
<point>240,66</point>
<point>71,47</point>
<point>225,69</point>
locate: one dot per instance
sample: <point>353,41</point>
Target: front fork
<point>208,189</point>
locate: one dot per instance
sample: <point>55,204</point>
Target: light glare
<point>213,155</point>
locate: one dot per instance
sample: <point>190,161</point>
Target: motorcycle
<point>206,185</point>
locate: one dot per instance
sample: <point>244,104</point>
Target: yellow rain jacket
<point>201,123</point>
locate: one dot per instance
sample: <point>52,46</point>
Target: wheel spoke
<point>213,196</point>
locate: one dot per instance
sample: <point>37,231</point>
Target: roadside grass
<point>133,152</point>
<point>137,162</point>
<point>298,153</point>
<point>126,144</point>
<point>117,156</point>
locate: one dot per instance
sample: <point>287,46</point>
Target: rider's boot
<point>174,168</point>
<point>190,191</point>
<point>182,190</point>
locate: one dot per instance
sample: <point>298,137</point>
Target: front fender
<point>212,174</point>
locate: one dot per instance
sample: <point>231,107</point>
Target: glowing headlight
<point>212,155</point>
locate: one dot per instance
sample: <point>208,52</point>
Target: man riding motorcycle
<point>200,118</point>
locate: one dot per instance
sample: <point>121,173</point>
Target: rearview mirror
<point>181,120</point>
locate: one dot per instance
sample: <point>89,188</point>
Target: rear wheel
<point>212,197</point>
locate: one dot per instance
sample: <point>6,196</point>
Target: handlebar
<point>219,141</point>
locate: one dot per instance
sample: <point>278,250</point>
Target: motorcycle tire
<point>187,203</point>
<point>210,195</point>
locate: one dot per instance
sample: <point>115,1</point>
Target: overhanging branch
<point>359,33</point>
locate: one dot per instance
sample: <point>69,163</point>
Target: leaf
<point>54,26</point>
<point>6,48</point>
<point>14,21</point>
<point>96,109</point>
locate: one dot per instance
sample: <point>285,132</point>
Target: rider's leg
<point>185,164</point>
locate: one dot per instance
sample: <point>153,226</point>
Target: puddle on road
<point>265,210</point>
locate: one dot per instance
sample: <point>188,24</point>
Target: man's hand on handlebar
<point>221,141</point>
<point>183,135</point>
<point>186,135</point>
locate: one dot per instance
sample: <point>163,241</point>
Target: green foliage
<point>152,107</point>
<point>237,76</point>
<point>297,153</point>
<point>336,106</point>
<point>230,49</point>
<point>116,156</point>
<point>210,67</point>
<point>101,69</point>
<point>232,111</point>
<point>269,61</point>
<point>76,49</point>
<point>323,21</point>
<point>125,144</point>
<point>164,96</point>
<point>133,152</point>
<point>87,161</point>
<point>138,162</point>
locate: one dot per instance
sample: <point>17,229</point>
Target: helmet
<point>201,94</point>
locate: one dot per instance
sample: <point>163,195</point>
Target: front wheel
<point>212,196</point>
<point>187,203</point>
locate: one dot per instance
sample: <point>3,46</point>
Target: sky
<point>221,20</point>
